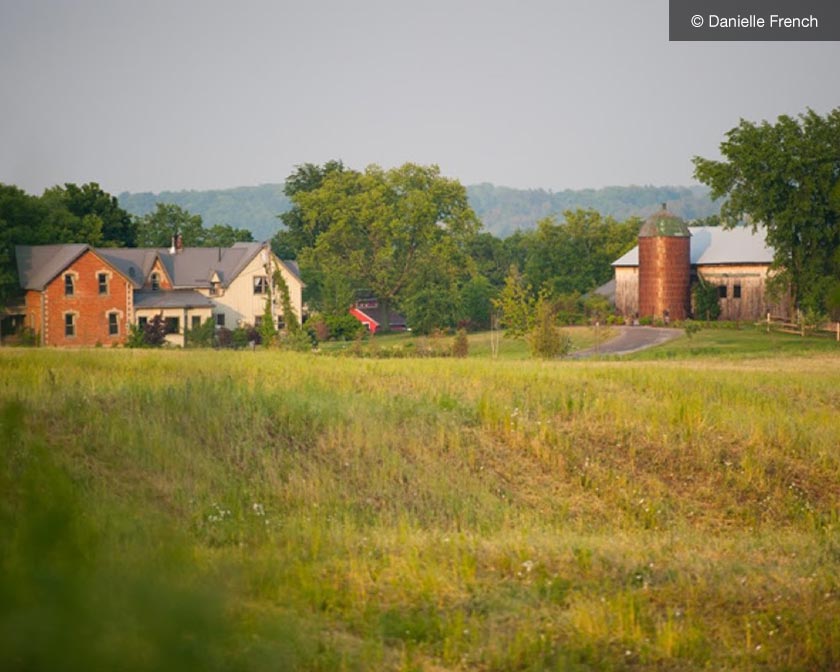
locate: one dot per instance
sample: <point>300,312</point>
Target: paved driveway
<point>632,339</point>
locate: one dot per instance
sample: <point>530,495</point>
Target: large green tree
<point>387,231</point>
<point>224,235</point>
<point>21,218</point>
<point>68,214</point>
<point>786,176</point>
<point>301,232</point>
<point>575,255</point>
<point>89,200</point>
<point>157,228</point>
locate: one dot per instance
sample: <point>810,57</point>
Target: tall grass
<point>265,510</point>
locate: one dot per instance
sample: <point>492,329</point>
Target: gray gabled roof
<point>176,298</point>
<point>191,268</point>
<point>712,245</point>
<point>135,263</point>
<point>39,264</point>
<point>292,267</point>
<point>195,266</point>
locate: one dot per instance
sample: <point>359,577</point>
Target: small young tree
<point>267,329</point>
<point>289,317</point>
<point>201,336</point>
<point>461,345</point>
<point>516,305</point>
<point>151,335</point>
<point>546,340</point>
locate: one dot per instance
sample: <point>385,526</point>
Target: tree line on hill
<point>502,210</point>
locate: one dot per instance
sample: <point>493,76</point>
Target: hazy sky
<point>188,94</point>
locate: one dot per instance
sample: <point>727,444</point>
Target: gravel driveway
<point>632,339</point>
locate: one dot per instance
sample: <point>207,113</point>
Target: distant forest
<point>502,210</point>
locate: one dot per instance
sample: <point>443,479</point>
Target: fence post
<point>768,322</point>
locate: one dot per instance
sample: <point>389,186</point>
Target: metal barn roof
<point>712,245</point>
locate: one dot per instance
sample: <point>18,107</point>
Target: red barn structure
<point>664,267</point>
<point>371,315</point>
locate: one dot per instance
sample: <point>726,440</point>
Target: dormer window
<point>69,284</point>
<point>155,279</point>
<point>215,284</point>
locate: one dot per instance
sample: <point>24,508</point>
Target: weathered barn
<point>657,275</point>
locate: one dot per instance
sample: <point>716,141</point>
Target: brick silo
<point>664,267</point>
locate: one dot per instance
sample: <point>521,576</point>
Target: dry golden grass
<point>427,514</point>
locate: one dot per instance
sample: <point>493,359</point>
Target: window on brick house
<point>69,284</point>
<point>102,278</point>
<point>260,284</point>
<point>113,324</point>
<point>69,324</point>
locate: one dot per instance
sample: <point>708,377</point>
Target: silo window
<point>736,292</point>
<point>721,291</point>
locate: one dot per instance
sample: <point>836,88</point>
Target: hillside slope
<point>265,510</point>
<point>502,209</point>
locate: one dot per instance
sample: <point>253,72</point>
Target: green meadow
<point>176,510</point>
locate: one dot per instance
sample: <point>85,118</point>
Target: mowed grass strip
<point>256,509</point>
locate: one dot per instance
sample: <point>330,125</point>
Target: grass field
<point>480,344</point>
<point>746,342</point>
<point>277,511</point>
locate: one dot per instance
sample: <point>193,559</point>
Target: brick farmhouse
<point>77,295</point>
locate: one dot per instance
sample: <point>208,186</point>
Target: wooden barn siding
<point>627,290</point>
<point>754,303</point>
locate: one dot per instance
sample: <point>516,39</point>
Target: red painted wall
<point>365,320</point>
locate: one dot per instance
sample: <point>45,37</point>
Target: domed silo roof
<point>664,223</point>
